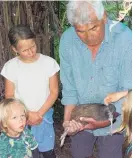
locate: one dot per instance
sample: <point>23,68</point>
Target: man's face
<point>92,33</point>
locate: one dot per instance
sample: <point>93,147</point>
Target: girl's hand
<point>34,118</point>
<point>110,98</point>
<point>113,97</point>
<point>72,126</point>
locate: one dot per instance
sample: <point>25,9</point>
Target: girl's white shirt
<point>31,80</point>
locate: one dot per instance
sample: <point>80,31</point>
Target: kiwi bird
<point>99,112</point>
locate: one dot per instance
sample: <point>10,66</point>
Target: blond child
<point>16,141</point>
<point>126,125</point>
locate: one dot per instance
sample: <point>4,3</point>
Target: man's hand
<point>72,126</point>
<point>93,124</point>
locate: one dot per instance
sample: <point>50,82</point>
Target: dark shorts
<point>35,153</point>
<point>48,154</point>
<point>82,145</point>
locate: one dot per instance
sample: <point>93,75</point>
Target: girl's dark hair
<point>20,32</point>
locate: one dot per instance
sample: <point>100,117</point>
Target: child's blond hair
<point>127,120</point>
<point>5,108</point>
<point>127,115</point>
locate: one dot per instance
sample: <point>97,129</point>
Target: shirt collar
<point>106,38</point>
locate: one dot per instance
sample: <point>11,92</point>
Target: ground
<point>64,151</point>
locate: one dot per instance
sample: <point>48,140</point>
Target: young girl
<point>32,78</point>
<point>15,140</point>
<point>126,125</point>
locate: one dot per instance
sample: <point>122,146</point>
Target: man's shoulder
<point>121,29</point>
<point>68,33</point>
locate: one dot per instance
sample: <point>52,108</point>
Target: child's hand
<point>34,118</point>
<point>110,98</point>
<point>113,97</point>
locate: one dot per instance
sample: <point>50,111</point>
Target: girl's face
<point>16,120</point>
<point>27,50</point>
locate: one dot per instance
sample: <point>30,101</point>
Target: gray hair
<point>78,12</point>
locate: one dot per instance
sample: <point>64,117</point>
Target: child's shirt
<point>20,147</point>
<point>31,80</point>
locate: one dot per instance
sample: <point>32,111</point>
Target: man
<point>95,60</point>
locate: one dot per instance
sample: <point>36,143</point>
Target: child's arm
<point>53,87</point>
<point>113,97</point>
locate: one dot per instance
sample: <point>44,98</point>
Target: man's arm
<point>67,112</point>
<point>69,91</point>
<point>93,124</point>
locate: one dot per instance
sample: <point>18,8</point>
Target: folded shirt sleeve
<point>9,71</point>
<point>69,91</point>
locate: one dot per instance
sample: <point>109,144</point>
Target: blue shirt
<point>89,81</point>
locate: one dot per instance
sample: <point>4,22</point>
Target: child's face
<point>16,120</point>
<point>27,50</point>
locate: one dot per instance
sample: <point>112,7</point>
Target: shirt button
<point>91,78</point>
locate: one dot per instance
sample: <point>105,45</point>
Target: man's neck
<point>94,50</point>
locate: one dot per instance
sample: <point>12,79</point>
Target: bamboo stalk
<point>5,14</point>
<point>17,15</point>
<point>29,15</point>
